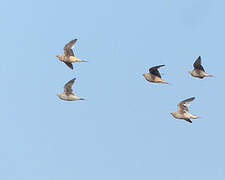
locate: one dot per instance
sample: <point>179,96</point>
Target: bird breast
<point>178,115</point>
<point>61,58</point>
<point>194,73</point>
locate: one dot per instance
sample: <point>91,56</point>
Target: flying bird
<point>199,71</point>
<point>68,57</point>
<point>183,112</point>
<point>154,75</point>
<point>68,94</point>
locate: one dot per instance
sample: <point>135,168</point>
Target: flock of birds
<point>68,58</point>
<point>198,72</point>
<point>153,76</point>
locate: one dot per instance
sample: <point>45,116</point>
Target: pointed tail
<point>194,117</point>
<point>209,75</point>
<point>164,82</point>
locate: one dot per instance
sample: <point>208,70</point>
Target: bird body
<point>155,79</point>
<point>70,59</point>
<point>70,97</point>
<point>183,112</point>
<point>185,115</point>
<point>68,94</point>
<point>199,71</point>
<point>154,75</point>
<point>199,74</point>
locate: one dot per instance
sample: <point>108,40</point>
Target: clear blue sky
<point>124,130</point>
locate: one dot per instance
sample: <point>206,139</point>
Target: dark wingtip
<point>188,120</point>
<point>192,98</point>
<point>74,40</point>
<point>72,80</point>
<point>70,67</point>
<point>162,65</point>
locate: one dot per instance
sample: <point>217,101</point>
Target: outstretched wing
<point>70,65</point>
<point>68,48</point>
<point>154,70</point>
<point>68,87</point>
<point>183,105</point>
<point>198,64</point>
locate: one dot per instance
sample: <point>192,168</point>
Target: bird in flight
<point>68,57</point>
<point>68,94</point>
<point>183,112</point>
<point>199,71</point>
<point>154,75</point>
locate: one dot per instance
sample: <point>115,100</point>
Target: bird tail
<point>75,59</point>
<point>209,75</point>
<point>194,117</point>
<point>80,60</point>
<point>164,82</point>
<point>169,83</point>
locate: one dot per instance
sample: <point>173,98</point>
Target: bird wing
<point>68,87</point>
<point>68,52</point>
<point>68,48</point>
<point>198,64</point>
<point>70,65</point>
<point>154,70</point>
<point>188,120</point>
<point>182,106</point>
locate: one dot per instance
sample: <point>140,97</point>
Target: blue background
<point>123,130</point>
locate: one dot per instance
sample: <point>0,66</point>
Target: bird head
<point>58,56</point>
<point>173,114</point>
<point>145,75</point>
